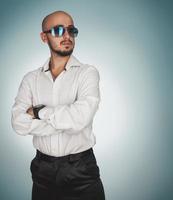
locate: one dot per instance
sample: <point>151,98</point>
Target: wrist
<point>36,110</point>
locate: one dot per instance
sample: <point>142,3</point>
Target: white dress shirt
<point>71,100</point>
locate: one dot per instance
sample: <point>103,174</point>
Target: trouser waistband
<point>70,157</point>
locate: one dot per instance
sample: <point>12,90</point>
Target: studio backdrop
<point>130,42</point>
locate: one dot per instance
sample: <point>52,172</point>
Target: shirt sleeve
<point>74,117</point>
<point>22,122</point>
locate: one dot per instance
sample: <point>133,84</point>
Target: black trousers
<point>71,177</point>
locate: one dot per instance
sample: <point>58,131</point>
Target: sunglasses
<point>58,31</point>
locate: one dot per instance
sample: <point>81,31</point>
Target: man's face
<point>61,45</point>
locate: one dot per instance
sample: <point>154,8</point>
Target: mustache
<point>66,41</point>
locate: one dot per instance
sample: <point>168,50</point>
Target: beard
<point>64,53</point>
<point>59,52</point>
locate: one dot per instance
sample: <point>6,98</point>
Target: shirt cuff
<point>45,112</point>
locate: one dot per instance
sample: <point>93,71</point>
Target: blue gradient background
<point>130,42</point>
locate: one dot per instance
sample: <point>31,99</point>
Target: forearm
<point>24,122</point>
<point>76,116</point>
<point>73,117</point>
<point>70,119</point>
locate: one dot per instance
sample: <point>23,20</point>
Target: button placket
<point>55,141</point>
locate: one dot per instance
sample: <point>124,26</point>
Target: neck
<point>57,63</point>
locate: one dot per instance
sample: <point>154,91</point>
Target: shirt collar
<point>72,62</point>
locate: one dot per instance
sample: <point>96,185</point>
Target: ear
<point>43,37</point>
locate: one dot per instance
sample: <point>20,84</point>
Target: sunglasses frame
<point>52,30</point>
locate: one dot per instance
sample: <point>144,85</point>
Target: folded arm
<point>74,117</point>
<point>22,122</point>
<point>70,119</point>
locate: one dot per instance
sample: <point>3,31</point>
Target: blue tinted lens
<point>59,30</point>
<point>73,31</point>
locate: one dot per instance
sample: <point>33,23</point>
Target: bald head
<point>57,17</point>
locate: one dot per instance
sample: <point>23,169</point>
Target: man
<point>56,103</point>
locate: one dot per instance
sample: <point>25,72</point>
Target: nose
<point>66,34</point>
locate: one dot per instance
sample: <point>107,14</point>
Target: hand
<point>30,112</point>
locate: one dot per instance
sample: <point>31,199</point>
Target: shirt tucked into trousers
<point>72,177</point>
<point>63,131</point>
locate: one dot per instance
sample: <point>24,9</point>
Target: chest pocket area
<point>42,90</point>
<point>68,94</point>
